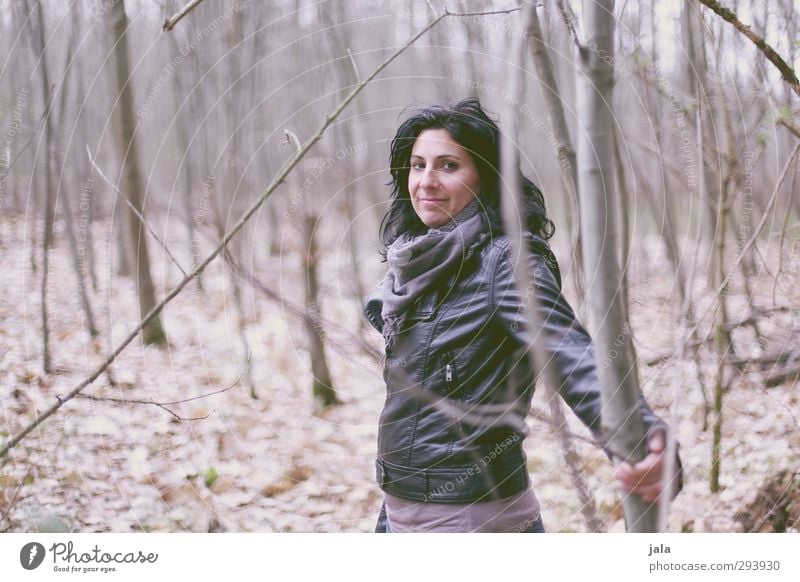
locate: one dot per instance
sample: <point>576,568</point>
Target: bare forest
<point>190,201</point>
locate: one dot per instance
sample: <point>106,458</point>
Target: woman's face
<point>443,177</point>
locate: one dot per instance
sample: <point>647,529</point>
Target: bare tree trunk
<point>230,252</point>
<point>623,202</point>
<point>721,337</point>
<point>669,236</point>
<point>565,152</point>
<point>709,190</point>
<point>83,175</point>
<point>79,263</point>
<point>77,250</point>
<point>619,382</point>
<point>731,170</point>
<point>721,346</point>
<point>50,189</point>
<point>347,76</point>
<point>355,263</point>
<point>539,352</point>
<point>322,385</point>
<point>131,180</point>
<point>699,90</point>
<point>43,306</point>
<point>182,134</point>
<point>790,18</point>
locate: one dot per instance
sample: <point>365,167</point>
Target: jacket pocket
<point>450,376</point>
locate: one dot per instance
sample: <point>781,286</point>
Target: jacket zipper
<point>448,368</point>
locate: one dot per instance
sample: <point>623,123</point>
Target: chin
<point>433,221</point>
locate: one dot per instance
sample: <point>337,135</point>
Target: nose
<point>430,178</point>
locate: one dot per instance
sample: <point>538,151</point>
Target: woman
<point>459,385</point>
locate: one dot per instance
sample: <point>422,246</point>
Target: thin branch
<point>784,121</point>
<point>170,22</point>
<point>353,62</point>
<point>786,71</point>
<point>356,340</point>
<point>752,319</point>
<point>298,312</point>
<point>433,10</point>
<point>782,377</point>
<point>488,13</point>
<point>291,137</point>
<point>280,177</point>
<point>163,405</point>
<point>555,427</point>
<point>764,218</point>
<point>10,166</point>
<point>733,269</point>
<point>135,211</point>
<point>784,229</point>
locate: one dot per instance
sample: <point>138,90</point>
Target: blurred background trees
<point>135,150</point>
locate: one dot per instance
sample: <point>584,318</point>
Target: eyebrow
<point>454,156</point>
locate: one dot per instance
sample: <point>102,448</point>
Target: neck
<point>464,214</point>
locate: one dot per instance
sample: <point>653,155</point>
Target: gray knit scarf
<point>418,263</point>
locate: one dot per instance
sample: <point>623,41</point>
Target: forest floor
<point>273,464</point>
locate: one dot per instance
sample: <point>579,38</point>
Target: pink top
<point>512,514</point>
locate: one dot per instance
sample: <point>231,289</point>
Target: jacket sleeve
<point>569,346</point>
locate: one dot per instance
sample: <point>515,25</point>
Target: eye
<point>417,165</point>
<point>449,165</point>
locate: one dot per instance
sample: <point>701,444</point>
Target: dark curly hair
<point>470,126</point>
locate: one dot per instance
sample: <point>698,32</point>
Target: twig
<point>773,360</point>
<point>754,317</point>
<point>784,121</point>
<point>170,22</point>
<point>732,271</point>
<point>782,376</point>
<point>433,10</point>
<point>357,341</point>
<point>298,312</point>
<point>764,218</point>
<point>353,62</point>
<point>135,211</point>
<point>21,151</point>
<point>280,177</point>
<point>163,405</point>
<point>291,137</point>
<point>784,228</point>
<point>488,13</point>
<point>757,313</point>
<point>550,421</point>
<point>786,71</point>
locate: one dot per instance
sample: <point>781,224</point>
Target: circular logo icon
<point>31,555</point>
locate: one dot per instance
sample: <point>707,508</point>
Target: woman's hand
<point>644,478</point>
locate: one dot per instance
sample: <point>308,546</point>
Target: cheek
<point>474,183</point>
<point>467,188</point>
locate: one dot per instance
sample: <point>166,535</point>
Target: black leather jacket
<point>458,381</point>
